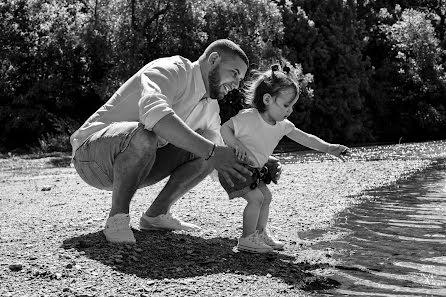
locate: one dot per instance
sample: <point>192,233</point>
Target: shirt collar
<point>199,83</point>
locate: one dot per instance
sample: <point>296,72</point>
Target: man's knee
<point>144,143</point>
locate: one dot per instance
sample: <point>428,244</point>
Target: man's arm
<point>174,130</point>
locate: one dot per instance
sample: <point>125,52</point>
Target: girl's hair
<point>270,82</point>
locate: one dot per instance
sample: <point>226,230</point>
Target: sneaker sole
<point>165,229</point>
<point>154,229</point>
<point>244,249</point>
<point>278,248</point>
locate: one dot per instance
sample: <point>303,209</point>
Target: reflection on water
<point>396,242</point>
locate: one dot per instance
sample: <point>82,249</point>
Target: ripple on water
<point>395,243</point>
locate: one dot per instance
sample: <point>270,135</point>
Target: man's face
<point>226,75</point>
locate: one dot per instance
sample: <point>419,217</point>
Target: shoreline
<point>52,230</point>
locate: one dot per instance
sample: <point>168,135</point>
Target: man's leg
<point>117,158</point>
<point>182,179</point>
<point>130,168</point>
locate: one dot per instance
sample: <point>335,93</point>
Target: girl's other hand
<point>338,150</point>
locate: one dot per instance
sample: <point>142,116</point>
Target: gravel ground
<point>51,241</point>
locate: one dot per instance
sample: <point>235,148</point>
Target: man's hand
<point>226,162</point>
<point>274,168</point>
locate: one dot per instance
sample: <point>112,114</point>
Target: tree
<point>43,66</point>
<point>327,38</point>
<point>420,99</point>
<point>251,23</point>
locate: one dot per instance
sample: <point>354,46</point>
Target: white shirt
<point>257,135</point>
<point>164,86</point>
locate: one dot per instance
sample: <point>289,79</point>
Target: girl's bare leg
<point>252,211</point>
<point>264,209</point>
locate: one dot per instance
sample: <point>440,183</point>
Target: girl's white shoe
<point>253,244</point>
<point>271,241</point>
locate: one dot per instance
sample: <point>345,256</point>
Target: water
<point>395,243</point>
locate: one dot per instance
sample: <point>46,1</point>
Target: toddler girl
<point>254,133</point>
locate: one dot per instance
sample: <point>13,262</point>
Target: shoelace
<point>268,238</point>
<point>256,239</point>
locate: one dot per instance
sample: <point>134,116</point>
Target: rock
<point>84,244</point>
<point>46,188</point>
<point>15,267</point>
<point>82,294</point>
<point>118,261</point>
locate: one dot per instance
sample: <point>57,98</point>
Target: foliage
<point>327,38</point>
<point>378,66</point>
<point>416,107</point>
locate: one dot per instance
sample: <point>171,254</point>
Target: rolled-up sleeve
<point>159,86</point>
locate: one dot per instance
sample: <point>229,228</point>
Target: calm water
<point>395,243</point>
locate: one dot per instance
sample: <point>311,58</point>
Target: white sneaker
<point>165,222</point>
<point>117,229</point>
<point>271,241</point>
<point>253,244</point>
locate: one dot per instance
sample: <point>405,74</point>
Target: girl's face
<point>280,106</point>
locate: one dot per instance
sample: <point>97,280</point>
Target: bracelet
<point>212,153</point>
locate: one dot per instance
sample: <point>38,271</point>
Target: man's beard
<point>214,84</point>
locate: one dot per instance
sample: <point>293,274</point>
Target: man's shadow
<point>171,255</point>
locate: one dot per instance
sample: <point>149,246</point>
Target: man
<point>161,122</point>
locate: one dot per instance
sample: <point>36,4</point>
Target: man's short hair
<point>226,46</point>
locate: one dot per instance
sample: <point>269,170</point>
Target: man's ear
<point>267,99</point>
<point>214,59</point>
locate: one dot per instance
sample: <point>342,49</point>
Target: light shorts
<point>240,188</point>
<point>94,159</point>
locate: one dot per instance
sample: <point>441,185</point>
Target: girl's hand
<point>339,151</point>
<point>241,154</point>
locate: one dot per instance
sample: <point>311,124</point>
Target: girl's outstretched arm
<point>314,142</point>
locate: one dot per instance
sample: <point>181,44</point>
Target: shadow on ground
<point>160,255</point>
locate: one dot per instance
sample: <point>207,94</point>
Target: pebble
<point>15,267</point>
<point>84,295</point>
